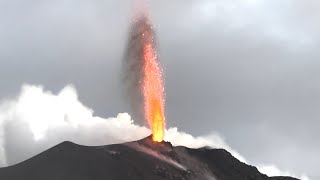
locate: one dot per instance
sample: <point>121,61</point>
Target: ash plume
<point>141,32</point>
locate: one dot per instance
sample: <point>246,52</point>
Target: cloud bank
<point>37,119</point>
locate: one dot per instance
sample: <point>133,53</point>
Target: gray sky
<point>247,69</point>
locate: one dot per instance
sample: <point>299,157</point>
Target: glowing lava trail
<point>153,88</point>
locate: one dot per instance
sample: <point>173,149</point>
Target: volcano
<point>138,160</point>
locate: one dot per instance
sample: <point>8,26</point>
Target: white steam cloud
<point>37,120</point>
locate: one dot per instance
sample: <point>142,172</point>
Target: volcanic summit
<point>138,160</point>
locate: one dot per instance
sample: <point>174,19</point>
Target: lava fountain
<point>153,89</point>
<point>143,73</point>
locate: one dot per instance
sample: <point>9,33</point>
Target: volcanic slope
<point>138,160</point>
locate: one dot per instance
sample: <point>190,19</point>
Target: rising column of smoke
<point>133,58</point>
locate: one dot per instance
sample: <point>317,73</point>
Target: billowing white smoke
<point>272,170</point>
<point>37,120</point>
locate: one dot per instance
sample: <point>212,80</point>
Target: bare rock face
<point>138,160</point>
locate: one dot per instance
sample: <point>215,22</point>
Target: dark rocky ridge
<point>138,160</point>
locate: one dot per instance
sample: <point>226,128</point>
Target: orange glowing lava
<point>153,91</point>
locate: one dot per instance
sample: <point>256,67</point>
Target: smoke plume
<point>37,119</point>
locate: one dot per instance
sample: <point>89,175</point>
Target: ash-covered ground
<point>137,160</point>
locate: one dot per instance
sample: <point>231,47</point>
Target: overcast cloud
<point>247,69</point>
